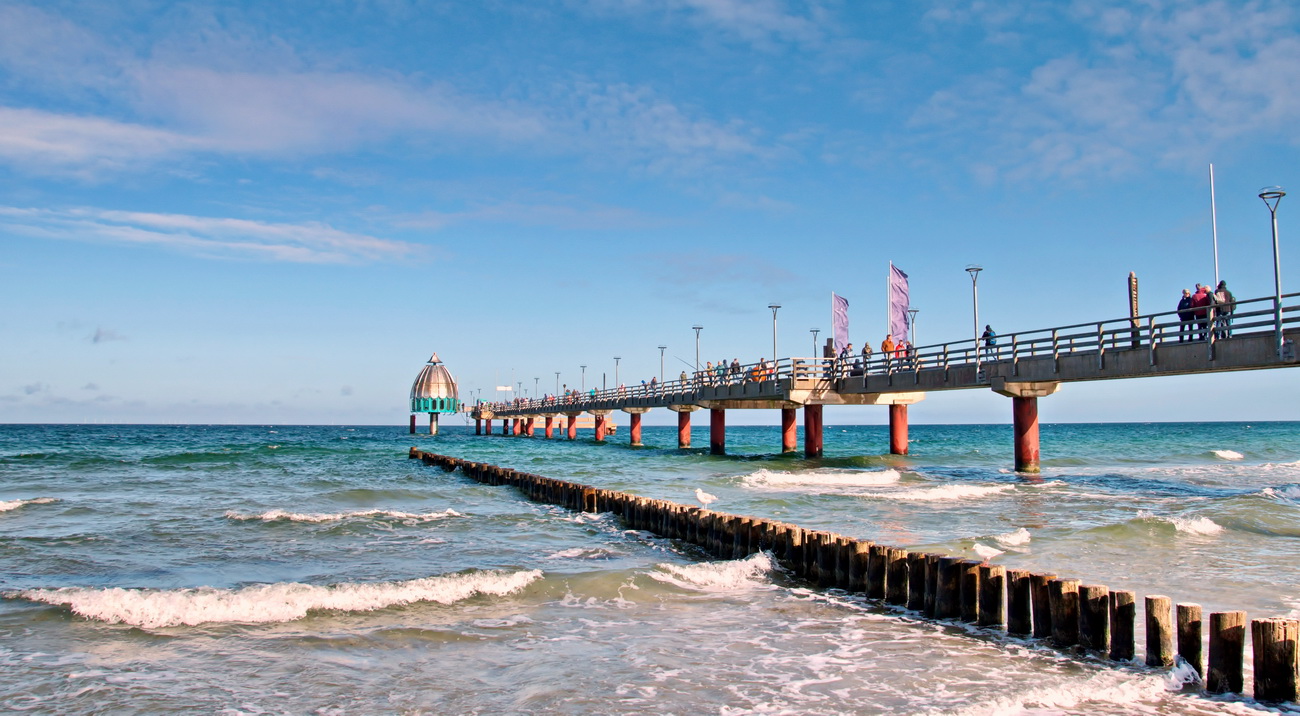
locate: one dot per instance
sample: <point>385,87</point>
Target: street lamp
<point>584,377</point>
<point>661,362</point>
<point>536,390</point>
<point>519,388</point>
<point>974,271</point>
<point>1272,195</point>
<point>697,328</point>
<point>775,307</point>
<point>557,382</point>
<point>814,331</point>
<point>912,329</point>
<point>616,360</point>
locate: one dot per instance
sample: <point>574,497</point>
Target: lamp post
<point>974,271</point>
<point>661,363</point>
<point>536,389</point>
<point>616,360</point>
<point>519,388</point>
<point>1272,195</point>
<point>814,331</point>
<point>775,307</point>
<point>912,328</point>
<point>584,378</point>
<point>697,328</point>
<point>557,382</point>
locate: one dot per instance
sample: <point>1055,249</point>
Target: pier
<point>1025,366</point>
<point>1085,620</point>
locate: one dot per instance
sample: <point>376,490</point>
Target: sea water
<point>283,569</point>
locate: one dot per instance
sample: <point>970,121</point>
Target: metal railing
<point>1207,325</point>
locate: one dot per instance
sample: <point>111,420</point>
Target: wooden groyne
<point>1078,618</point>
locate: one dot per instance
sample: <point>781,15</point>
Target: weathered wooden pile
<point>1087,619</point>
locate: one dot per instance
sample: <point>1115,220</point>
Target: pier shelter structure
<point>1257,334</point>
<point>434,392</point>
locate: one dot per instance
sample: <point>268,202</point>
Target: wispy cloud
<point>105,335</point>
<point>208,237</point>
<point>561,212</point>
<point>760,22</point>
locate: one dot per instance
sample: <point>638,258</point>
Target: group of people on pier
<point>1205,312</point>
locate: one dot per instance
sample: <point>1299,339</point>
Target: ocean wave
<point>1290,493</point>
<point>1107,687</point>
<point>944,492</point>
<point>318,517</point>
<point>1016,538</point>
<point>582,553</point>
<point>280,602</point>
<point>1195,525</point>
<point>15,504</point>
<point>1227,454</point>
<point>821,478</point>
<point>722,576</point>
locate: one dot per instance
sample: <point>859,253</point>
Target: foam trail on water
<point>408,517</point>
<point>15,504</point>
<point>1228,454</point>
<point>280,602</point>
<point>1017,538</point>
<point>945,492</point>
<point>1110,687</point>
<point>1190,525</point>
<point>820,478</point>
<point>718,576</point>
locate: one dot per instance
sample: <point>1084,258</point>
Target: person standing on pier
<point>887,350</point>
<point>1201,301</point>
<point>1223,305</point>
<point>1185,317</point>
<point>990,339</point>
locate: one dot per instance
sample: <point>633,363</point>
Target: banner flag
<point>504,387</point>
<point>840,321</point>
<point>898,304</point>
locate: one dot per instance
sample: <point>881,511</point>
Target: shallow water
<point>292,569</point>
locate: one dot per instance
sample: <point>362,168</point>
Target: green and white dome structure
<point>434,392</point>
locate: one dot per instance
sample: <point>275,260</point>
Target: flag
<point>898,304</point>
<point>504,387</point>
<point>840,321</point>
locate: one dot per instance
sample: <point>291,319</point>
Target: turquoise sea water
<point>289,569</point>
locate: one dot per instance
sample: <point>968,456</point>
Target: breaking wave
<point>1190,525</point>
<point>1227,454</point>
<point>821,478</point>
<point>723,576</point>
<point>404,517</point>
<point>280,602</point>
<point>945,492</point>
<point>15,504</point>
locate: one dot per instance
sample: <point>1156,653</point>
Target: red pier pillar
<point>550,427</point>
<point>1025,416</point>
<point>789,433</point>
<point>635,430</point>
<point>812,430</point>
<point>478,426</point>
<point>717,431</point>
<point>573,427</point>
<point>600,428</point>
<point>898,429</point>
<point>683,429</point>
<point>505,426</point>
<point>488,424</point>
<point>516,427</point>
<point>412,423</point>
<point>529,425</point>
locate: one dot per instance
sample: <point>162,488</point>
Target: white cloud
<point>761,22</point>
<point>208,237</point>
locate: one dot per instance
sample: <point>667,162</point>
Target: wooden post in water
<point>1274,642</point>
<point>1123,614</point>
<point>1189,636</point>
<point>1227,649</point>
<point>1019,600</point>
<point>876,571</point>
<point>858,566</point>
<point>1064,597</point>
<point>896,579</point>
<point>916,581</point>
<point>993,588</point>
<point>1094,618</point>
<point>947,592</point>
<point>1160,630</point>
<point>1042,598</point>
<point>931,582</point>
<point>970,591</point>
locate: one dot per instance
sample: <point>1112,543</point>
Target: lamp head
<point>1271,196</point>
<point>973,270</point>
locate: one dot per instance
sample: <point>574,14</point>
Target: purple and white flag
<point>840,321</point>
<point>898,304</point>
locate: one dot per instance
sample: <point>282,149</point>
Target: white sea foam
<point>945,492</point>
<point>280,602</point>
<point>1286,492</point>
<point>1017,538</point>
<point>1228,454</point>
<point>1107,687</point>
<point>15,504</point>
<point>820,478</point>
<point>1196,525</point>
<point>718,576</point>
<point>405,517</point>
<point>581,553</point>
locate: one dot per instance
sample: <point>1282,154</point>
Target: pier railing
<point>1208,326</point>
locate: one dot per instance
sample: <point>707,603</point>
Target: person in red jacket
<point>1201,301</point>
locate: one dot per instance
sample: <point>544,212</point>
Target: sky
<point>273,213</point>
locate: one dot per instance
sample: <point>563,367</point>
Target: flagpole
<point>1214,227</point>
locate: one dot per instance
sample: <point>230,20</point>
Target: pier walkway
<point>1257,334</point>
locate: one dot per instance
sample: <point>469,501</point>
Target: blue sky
<point>274,212</point>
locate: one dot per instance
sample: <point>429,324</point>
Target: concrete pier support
<point>529,425</point>
<point>789,433</point>
<point>683,424</point>
<point>898,429</point>
<point>433,423</point>
<point>550,427</point>
<point>573,426</point>
<point>1024,408</point>
<point>812,430</point>
<point>505,426</point>
<point>478,426</point>
<point>412,423</point>
<point>488,424</point>
<point>717,431</point>
<point>517,427</point>
<point>600,428</point>
<point>635,430</point>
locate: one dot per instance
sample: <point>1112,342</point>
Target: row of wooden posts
<point>1088,619</point>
